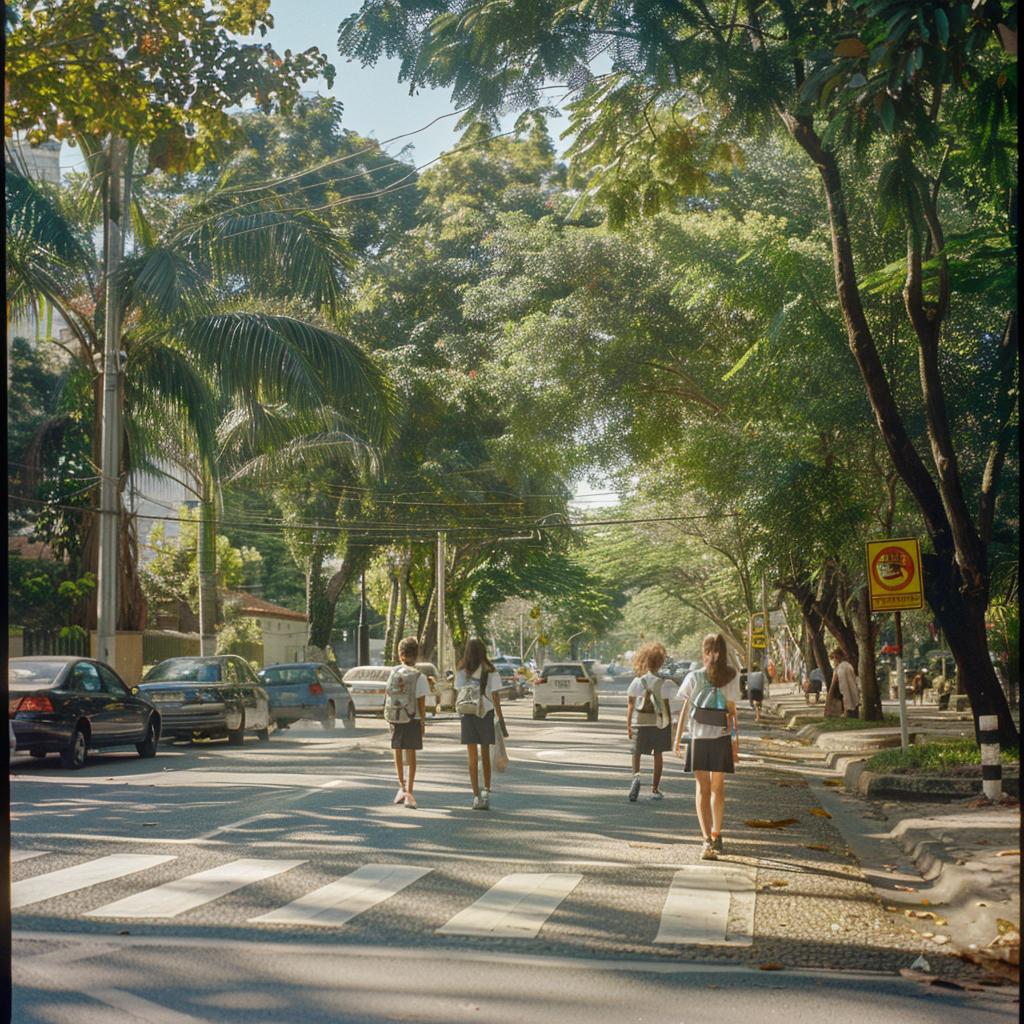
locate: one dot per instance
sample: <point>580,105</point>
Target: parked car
<point>209,698</point>
<point>565,686</point>
<point>308,690</point>
<point>367,685</point>
<point>431,671</point>
<point>71,705</point>
<point>509,689</point>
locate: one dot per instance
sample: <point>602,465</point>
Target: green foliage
<point>938,756</point>
<point>44,594</point>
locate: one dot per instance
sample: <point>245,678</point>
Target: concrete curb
<point>876,786</point>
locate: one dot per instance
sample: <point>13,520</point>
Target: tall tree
<point>923,91</point>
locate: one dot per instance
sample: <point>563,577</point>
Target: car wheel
<point>591,714</point>
<point>539,712</point>
<point>263,735</point>
<point>73,755</point>
<point>350,717</point>
<point>330,721</point>
<point>237,736</point>
<point>147,748</point>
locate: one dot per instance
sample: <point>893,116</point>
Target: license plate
<point>167,695</point>
<point>563,684</point>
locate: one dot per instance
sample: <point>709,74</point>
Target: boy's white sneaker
<point>478,803</point>
<point>485,800</point>
<point>634,789</point>
<point>400,795</point>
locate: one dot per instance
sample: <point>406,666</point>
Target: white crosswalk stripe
<point>20,855</point>
<point>697,908</point>
<point>81,876</point>
<point>174,898</point>
<point>517,905</point>
<point>340,901</point>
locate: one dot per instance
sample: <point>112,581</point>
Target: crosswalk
<point>702,905</point>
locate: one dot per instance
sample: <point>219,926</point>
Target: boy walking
<point>405,708</point>
<point>648,711</point>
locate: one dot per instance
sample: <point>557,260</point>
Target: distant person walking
<point>405,701</point>
<point>477,702</point>
<point>846,680</point>
<point>755,690</point>
<point>815,684</point>
<point>710,696</point>
<point>649,714</point>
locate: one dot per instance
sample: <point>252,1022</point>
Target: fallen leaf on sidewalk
<point>891,867</point>
<point>819,813</point>
<point>808,846</point>
<point>831,782</point>
<point>924,914</point>
<point>770,967</point>
<point>905,888</point>
<point>781,823</point>
<point>939,939</point>
<point>1006,927</point>
<point>981,842</point>
<point>778,882</point>
<point>1008,853</point>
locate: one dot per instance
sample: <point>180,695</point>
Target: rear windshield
<point>368,674</point>
<point>184,670</point>
<point>297,674</point>
<point>30,675</point>
<point>562,670</point>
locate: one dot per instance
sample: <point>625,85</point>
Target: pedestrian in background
<point>648,712</point>
<point>815,684</point>
<point>846,681</point>
<point>755,690</point>
<point>407,736</point>
<point>711,693</point>
<point>476,684</point>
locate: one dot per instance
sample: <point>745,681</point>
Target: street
<point>280,883</point>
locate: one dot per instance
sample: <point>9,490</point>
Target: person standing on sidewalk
<point>409,721</point>
<point>846,680</point>
<point>755,689</point>
<point>712,693</point>
<point>648,711</point>
<point>476,684</point>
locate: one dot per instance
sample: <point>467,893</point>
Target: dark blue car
<point>308,690</point>
<point>71,705</point>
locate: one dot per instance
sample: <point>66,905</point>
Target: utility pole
<point>110,451</point>
<point>440,604</point>
<point>363,635</point>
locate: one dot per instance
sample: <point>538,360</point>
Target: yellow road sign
<point>758,631</point>
<point>894,574</point>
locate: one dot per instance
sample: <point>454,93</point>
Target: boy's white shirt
<point>637,687</point>
<point>422,689</point>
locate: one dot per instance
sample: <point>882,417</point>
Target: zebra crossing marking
<point>340,901</point>
<point>19,855</point>
<point>697,907</point>
<point>174,898</point>
<point>81,876</point>
<point>515,906</point>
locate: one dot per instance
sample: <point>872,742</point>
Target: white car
<point>367,685</point>
<point>565,686</point>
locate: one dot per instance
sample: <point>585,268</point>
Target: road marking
<point>236,826</point>
<point>334,904</point>
<point>105,869</point>
<point>516,906</point>
<point>174,898</point>
<point>697,908</point>
<point>18,855</point>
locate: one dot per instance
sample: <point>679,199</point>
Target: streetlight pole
<point>363,636</point>
<point>440,603</point>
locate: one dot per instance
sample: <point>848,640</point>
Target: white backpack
<point>649,709</point>
<point>470,698</point>
<point>400,695</point>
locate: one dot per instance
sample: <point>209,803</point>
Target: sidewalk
<point>937,856</point>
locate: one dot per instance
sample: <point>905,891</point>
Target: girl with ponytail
<point>710,696</point>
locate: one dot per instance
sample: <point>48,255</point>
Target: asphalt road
<point>279,882</point>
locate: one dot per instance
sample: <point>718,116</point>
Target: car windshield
<point>30,675</point>
<point>291,674</point>
<point>562,670</point>
<point>184,670</point>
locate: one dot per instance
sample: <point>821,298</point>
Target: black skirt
<point>407,735</point>
<point>710,755</point>
<point>652,740</point>
<point>478,731</point>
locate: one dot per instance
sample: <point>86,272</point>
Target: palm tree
<point>209,342</point>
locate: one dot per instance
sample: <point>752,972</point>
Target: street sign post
<point>895,585</point>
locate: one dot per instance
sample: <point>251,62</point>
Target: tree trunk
<point>870,698</point>
<point>207,567</point>
<point>403,595</point>
<point>322,595</point>
<point>391,625</point>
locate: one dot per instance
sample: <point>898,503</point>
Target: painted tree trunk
<point>867,631</point>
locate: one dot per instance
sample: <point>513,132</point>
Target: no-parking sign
<point>894,574</point>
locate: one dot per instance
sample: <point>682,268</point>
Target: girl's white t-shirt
<point>493,683</point>
<point>636,689</point>
<point>692,685</point>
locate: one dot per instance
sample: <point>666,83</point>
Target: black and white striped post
<point>991,766</point>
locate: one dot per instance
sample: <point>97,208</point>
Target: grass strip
<point>939,755</point>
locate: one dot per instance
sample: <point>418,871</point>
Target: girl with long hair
<point>710,695</point>
<point>649,714</point>
<point>478,676</point>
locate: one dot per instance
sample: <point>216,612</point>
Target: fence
<point>160,646</point>
<point>36,642</point>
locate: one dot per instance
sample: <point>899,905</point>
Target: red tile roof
<point>259,608</point>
